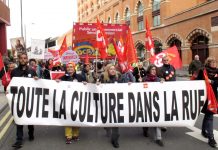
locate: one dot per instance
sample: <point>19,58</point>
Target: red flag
<point>101,40</point>
<point>172,53</point>
<point>63,47</point>
<point>120,45</point>
<point>1,62</point>
<point>56,74</point>
<point>212,102</point>
<point>149,42</point>
<point>129,49</point>
<point>54,53</point>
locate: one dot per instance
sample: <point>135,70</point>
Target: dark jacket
<point>168,72</point>
<point>127,77</point>
<point>74,77</point>
<point>19,72</point>
<point>194,66</point>
<point>136,73</point>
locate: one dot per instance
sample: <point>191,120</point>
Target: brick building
<point>191,25</point>
<point>4,21</point>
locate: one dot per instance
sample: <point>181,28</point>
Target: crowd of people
<point>109,72</point>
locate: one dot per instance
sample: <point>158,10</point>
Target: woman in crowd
<point>71,133</point>
<point>207,125</point>
<point>110,75</point>
<point>152,77</point>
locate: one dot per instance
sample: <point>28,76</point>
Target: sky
<point>41,18</point>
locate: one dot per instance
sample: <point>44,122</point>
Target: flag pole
<point>6,73</point>
<point>96,53</point>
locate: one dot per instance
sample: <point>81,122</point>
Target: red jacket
<point>5,82</point>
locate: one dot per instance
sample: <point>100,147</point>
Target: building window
<point>117,17</point>
<point>214,21</point>
<point>156,13</point>
<point>127,16</point>
<point>156,20</point>
<point>109,20</point>
<point>156,5</point>
<point>157,47</point>
<point>92,7</point>
<point>140,18</point>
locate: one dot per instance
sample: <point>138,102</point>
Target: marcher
<point>33,64</point>
<point>194,66</point>
<point>139,72</point>
<point>23,70</point>
<point>87,74</point>
<point>167,71</point>
<point>98,71</point>
<point>152,77</point>
<point>7,76</point>
<point>207,125</point>
<point>71,133</point>
<point>110,75</point>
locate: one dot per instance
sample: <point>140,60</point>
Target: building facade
<point>191,25</point>
<point>4,21</point>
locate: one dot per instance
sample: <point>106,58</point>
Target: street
<point>52,137</point>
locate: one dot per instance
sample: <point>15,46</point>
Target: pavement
<point>3,100</point>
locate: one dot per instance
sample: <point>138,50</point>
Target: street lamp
<point>21,18</point>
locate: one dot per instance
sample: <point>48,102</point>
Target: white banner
<point>37,49</point>
<point>47,102</point>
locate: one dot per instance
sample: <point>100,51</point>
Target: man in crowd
<point>23,70</point>
<point>194,66</point>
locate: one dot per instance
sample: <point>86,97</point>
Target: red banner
<point>84,37</point>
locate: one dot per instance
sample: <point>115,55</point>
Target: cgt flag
<point>63,47</point>
<point>1,62</point>
<point>172,53</point>
<point>101,40</point>
<point>129,49</point>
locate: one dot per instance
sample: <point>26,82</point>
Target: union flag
<point>63,47</point>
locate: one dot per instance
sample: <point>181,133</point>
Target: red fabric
<point>101,40</point>
<point>212,102</point>
<point>54,53</point>
<point>6,82</point>
<point>56,74</point>
<point>122,64</point>
<point>63,47</point>
<point>173,55</point>
<point>149,42</point>
<point>129,49</point>
<point>1,62</point>
<point>87,59</point>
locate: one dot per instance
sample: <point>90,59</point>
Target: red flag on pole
<point>1,62</point>
<point>123,64</point>
<point>54,53</point>
<point>63,47</point>
<point>101,40</point>
<point>172,53</point>
<point>129,49</point>
<point>212,102</point>
<point>148,39</point>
